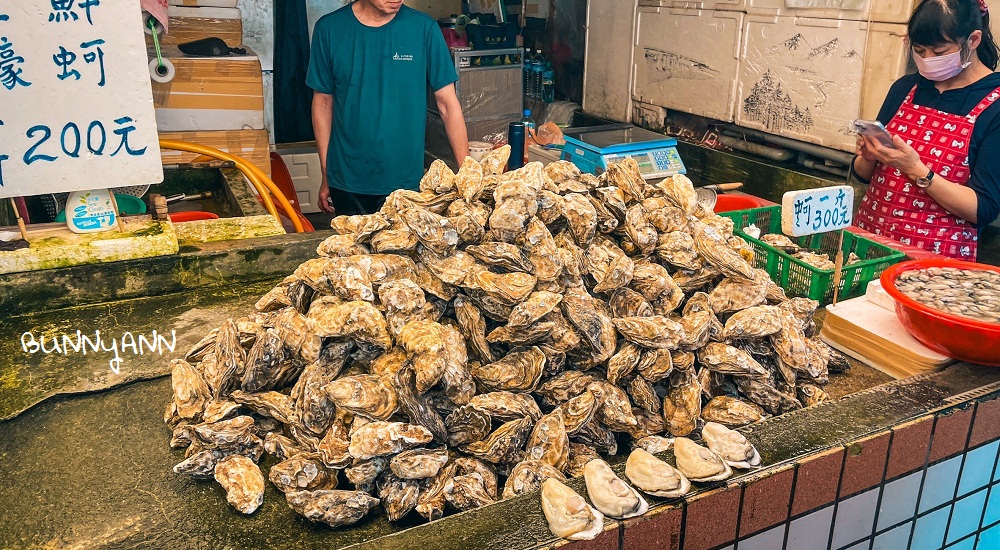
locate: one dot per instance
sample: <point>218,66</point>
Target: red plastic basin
<point>727,203</point>
<point>958,337</point>
<point>192,216</point>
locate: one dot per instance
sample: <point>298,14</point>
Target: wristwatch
<point>925,181</point>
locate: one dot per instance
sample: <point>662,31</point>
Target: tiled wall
<point>929,484</point>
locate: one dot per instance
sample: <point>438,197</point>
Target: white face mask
<point>941,67</point>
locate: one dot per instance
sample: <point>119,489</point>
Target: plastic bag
<point>548,134</point>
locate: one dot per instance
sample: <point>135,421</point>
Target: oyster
<point>612,496</point>
<point>509,289</point>
<point>732,412</point>
<point>386,438</point>
<point>753,322</point>
<point>665,217</point>
<point>364,395</point>
<point>488,475</point>
<point>569,516</point>
<point>583,312</point>
<point>362,227</point>
<point>730,445</point>
<point>640,229</point>
<point>274,404</point>
<point>679,190</point>
<point>549,441</point>
<point>651,332</point>
<point>426,343</point>
<point>191,393</point>
<point>502,255</point>
<point>302,472</point>
<point>341,245</point>
<point>643,394</point>
<point>334,447</point>
<point>542,251</point>
<point>698,463</point>
<point>655,444</point>
<point>579,456</point>
<point>504,405</point>
<point>726,359</point>
<point>697,327</point>
<point>418,407</point>
<point>518,371</point>
<point>811,394</point>
<point>280,446</point>
<point>626,302</point>
<point>534,308</point>
<point>419,463</point>
<point>528,476</point>
<point>473,327</point>
<point>677,249</point>
<point>470,179</point>
<point>654,476</point>
<point>610,267</point>
<point>358,320</point>
<point>332,507</point>
<point>503,444</point>
<point>243,482</point>
<point>200,465</point>
<point>624,362</point>
<point>655,365</point>
<point>432,230</point>
<point>736,294</point>
<point>581,216</point>
<point>467,424</point>
<point>432,499</point>
<point>714,249</point>
<point>598,436</point>
<point>367,471</point>
<point>579,410</point>
<point>495,161</point>
<point>626,176</point>
<point>398,496</point>
<point>468,491</point>
<point>682,405</point>
<point>226,368</point>
<point>615,410</point>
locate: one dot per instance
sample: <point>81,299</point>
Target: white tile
<point>855,517</point>
<point>939,484</point>
<point>895,539</point>
<point>768,540</point>
<point>899,500</point>
<point>811,531</point>
<point>863,545</point>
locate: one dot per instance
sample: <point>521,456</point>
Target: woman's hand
<point>863,150</point>
<point>903,157</point>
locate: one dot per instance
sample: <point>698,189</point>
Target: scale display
<point>593,151</point>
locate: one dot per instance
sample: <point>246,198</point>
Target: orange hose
<point>263,184</point>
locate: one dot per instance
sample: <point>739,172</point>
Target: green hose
<point>151,23</point>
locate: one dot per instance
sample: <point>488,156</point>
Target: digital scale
<point>592,150</point>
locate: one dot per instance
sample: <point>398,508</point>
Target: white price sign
<point>817,210</point>
<point>76,108</point>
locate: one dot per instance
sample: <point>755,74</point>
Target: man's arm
<point>454,122</point>
<point>322,121</point>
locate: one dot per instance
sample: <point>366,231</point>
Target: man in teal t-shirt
<point>369,68</point>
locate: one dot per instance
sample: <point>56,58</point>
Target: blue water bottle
<point>529,64</point>
<point>536,75</point>
<point>548,84</point>
<point>515,138</point>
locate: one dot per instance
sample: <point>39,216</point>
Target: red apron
<point>895,207</point>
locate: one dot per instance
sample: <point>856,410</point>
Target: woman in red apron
<point>941,181</point>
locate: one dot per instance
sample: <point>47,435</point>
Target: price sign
<point>816,210</point>
<point>76,108</point>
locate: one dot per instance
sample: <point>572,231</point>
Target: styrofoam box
<point>204,3</point>
<point>882,11</point>
<point>674,67</point>
<point>808,78</point>
<point>727,5</point>
<point>606,74</point>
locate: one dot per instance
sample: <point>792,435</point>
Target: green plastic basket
<point>801,279</point>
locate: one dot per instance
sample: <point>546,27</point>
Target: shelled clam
<point>493,334</point>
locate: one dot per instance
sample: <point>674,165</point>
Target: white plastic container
<point>673,68</point>
<point>90,211</point>
<point>478,149</point>
<point>806,79</point>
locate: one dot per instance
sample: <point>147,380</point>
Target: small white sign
<point>76,108</point>
<point>817,210</point>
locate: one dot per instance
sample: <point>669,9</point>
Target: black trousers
<point>346,203</point>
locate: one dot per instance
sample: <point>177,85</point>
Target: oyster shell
<point>385,438</point>
<point>624,362</point>
<point>488,475</point>
<point>569,516</point>
<point>398,496</point>
<point>697,327</point>
<point>358,320</point>
<point>726,359</point>
<point>200,465</point>
<point>432,230</point>
<point>698,463</point>
<point>418,408</point>
<point>467,491</point>
<point>643,394</point>
<point>736,294</point>
<point>562,387</point>
<point>334,447</point>
<point>432,499</point>
<point>503,444</point>
<point>367,471</point>
<point>365,395</point>
<point>579,456</point>
<point>467,424</point>
<point>730,445</point>
<point>579,410</point>
<point>640,229</point>
<point>426,343</point>
<point>362,227</point>
<point>281,447</point>
<point>612,496</point>
<point>341,245</point>
<point>767,396</point>
<point>274,404</point>
<point>528,476</point>
<point>243,482</point>
<point>302,472</point>
<point>581,216</point>
<point>542,251</point>
<point>713,248</point>
<point>626,176</point>
<point>419,463</point>
<point>518,371</point>
<point>651,332</point>
<point>495,161</point>
<point>682,405</point>
<point>549,441</point>
<point>473,326</point>
<point>655,365</point>
<point>596,435</point>
<point>502,255</point>
<point>191,393</point>
<point>509,289</point>
<point>654,444</point>
<point>626,302</point>
<point>654,476</point>
<point>677,249</point>
<point>753,322</point>
<point>679,190</point>
<point>534,308</point>
<point>615,410</point>
<point>470,179</point>
<point>582,311</point>
<point>732,412</point>
<point>811,394</point>
<point>332,507</point>
<point>504,406</point>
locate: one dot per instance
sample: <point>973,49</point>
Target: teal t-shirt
<point>378,77</point>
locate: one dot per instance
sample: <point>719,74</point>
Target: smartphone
<point>875,129</point>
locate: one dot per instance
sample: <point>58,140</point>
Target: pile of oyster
<point>487,333</point>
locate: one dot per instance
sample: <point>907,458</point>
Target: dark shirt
<point>984,148</point>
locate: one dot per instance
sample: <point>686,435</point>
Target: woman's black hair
<point>937,22</point>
